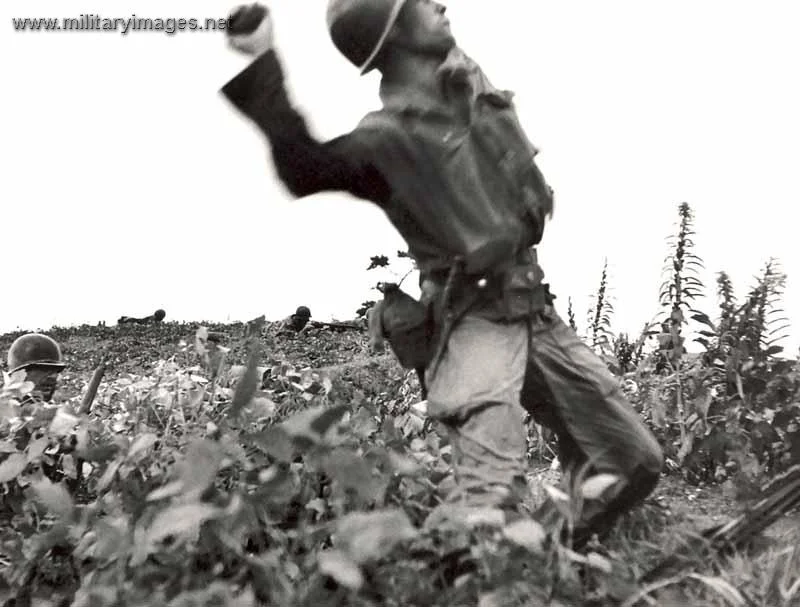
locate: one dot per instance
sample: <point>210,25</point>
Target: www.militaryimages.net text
<point>121,25</point>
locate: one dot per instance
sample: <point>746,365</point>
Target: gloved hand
<point>250,29</point>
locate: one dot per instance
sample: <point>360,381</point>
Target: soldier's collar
<point>459,80</point>
<point>408,100</point>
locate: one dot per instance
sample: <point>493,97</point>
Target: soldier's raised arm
<point>305,165</point>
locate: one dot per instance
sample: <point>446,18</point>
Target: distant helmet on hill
<point>159,315</point>
<point>34,349</point>
<point>303,312</point>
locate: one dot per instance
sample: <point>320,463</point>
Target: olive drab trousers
<point>491,373</point>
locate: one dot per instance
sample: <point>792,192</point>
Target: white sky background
<point>120,151</point>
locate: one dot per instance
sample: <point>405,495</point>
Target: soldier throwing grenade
<point>447,161</point>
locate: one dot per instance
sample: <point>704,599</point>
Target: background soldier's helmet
<point>299,319</point>
<point>34,349</point>
<point>359,28</point>
<point>159,315</point>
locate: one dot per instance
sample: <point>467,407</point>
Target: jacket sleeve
<point>306,166</point>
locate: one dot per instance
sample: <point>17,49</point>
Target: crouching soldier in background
<point>447,160</point>
<point>297,321</point>
<point>40,357</point>
<point>155,317</point>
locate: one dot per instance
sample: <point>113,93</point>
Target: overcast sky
<point>128,183</point>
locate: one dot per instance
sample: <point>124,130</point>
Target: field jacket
<point>455,175</point>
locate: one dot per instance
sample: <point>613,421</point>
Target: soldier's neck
<point>412,76</point>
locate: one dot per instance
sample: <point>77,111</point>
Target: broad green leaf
<point>236,373</point>
<point>107,540</point>
<point>495,598</point>
<point>68,466</point>
<point>247,386</point>
<point>36,448</point>
<point>526,533</point>
<point>403,465</point>
<point>141,444</point>
<point>409,423</point>
<point>317,505</point>
<point>722,588</point>
<point>787,594</point>
<point>99,453</point>
<point>9,408</point>
<point>169,490</point>
<point>63,423</point>
<point>703,402</point>
<point>686,445</point>
<point>200,341</point>
<point>447,515</point>
<point>703,342</point>
<point>739,388</point>
<point>108,475</point>
<point>593,488</point>
<point>7,447</point>
<point>328,418</point>
<point>54,496</point>
<point>16,381</point>
<point>559,499</point>
<point>353,472</point>
<point>368,536</point>
<point>306,378</point>
<point>313,423</point>
<point>261,407</point>
<point>337,565</point>
<point>274,441</point>
<point>363,424</point>
<point>658,414</point>
<point>255,326</point>
<point>599,562</point>
<point>178,520</point>
<point>200,466</point>
<point>556,494</point>
<point>492,517</point>
<point>420,408</point>
<point>12,467</point>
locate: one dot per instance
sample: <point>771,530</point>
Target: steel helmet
<point>359,28</point>
<point>34,349</point>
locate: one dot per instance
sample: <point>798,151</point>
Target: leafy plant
<point>571,315</point>
<point>681,287</point>
<point>599,317</point>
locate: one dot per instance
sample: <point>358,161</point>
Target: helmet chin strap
<point>390,21</point>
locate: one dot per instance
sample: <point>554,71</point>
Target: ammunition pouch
<point>522,292</point>
<point>408,327</point>
<point>417,330</point>
<point>510,293</point>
